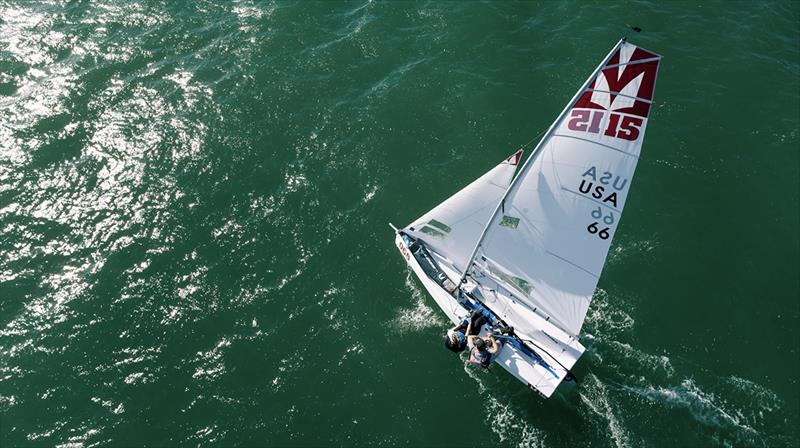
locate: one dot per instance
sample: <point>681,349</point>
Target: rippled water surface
<point>194,200</point>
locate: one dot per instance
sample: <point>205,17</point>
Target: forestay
<point>550,236</point>
<point>453,227</point>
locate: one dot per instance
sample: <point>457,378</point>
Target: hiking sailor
<point>456,338</point>
<point>482,350</point>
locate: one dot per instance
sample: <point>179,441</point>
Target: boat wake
<point>626,382</point>
<point>510,427</point>
<point>596,398</point>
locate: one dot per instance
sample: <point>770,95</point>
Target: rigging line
<point>536,310</point>
<point>540,348</point>
<point>485,305</point>
<point>536,137</point>
<point>550,355</point>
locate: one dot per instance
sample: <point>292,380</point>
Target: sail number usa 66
<point>598,187</point>
<point>625,127</point>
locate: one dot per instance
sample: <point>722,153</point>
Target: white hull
<point>542,378</point>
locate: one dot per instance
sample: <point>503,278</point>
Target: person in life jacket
<point>482,350</point>
<point>456,337</point>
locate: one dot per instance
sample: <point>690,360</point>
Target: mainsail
<point>549,236</point>
<point>453,227</point>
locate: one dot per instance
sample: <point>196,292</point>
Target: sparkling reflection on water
<point>194,250</point>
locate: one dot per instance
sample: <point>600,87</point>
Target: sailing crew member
<point>482,350</point>
<point>456,337</point>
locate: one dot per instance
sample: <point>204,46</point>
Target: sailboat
<point>526,245</point>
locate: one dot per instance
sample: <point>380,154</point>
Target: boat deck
<point>542,368</point>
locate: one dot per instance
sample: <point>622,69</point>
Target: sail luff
<point>535,152</point>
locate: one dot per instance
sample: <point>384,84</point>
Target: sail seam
<point>597,143</point>
<point>624,114</point>
<point>577,266</point>
<point>591,199</point>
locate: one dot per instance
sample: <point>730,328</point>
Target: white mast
<point>534,153</point>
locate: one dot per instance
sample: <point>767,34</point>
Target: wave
<point>736,410</point>
<point>504,419</point>
<point>596,398</point>
<point>738,419</point>
<point>419,316</point>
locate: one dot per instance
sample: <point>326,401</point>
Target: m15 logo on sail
<point>618,100</point>
<point>615,105</point>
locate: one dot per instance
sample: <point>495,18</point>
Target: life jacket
<point>480,357</point>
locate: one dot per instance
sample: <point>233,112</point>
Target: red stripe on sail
<point>514,158</point>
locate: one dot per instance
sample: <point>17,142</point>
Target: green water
<point>194,200</point>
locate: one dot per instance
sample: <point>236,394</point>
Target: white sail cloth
<point>549,240</point>
<point>453,227</point>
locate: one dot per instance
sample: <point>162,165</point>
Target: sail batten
<point>640,61</point>
<point>597,275</point>
<point>591,199</point>
<point>621,94</point>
